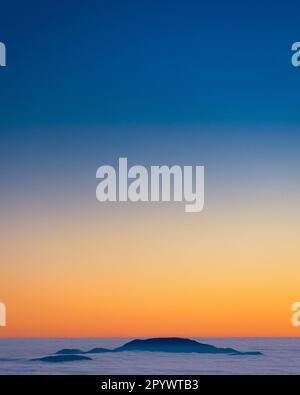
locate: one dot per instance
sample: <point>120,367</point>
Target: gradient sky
<point>179,82</point>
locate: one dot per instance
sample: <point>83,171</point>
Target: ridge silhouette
<point>162,344</point>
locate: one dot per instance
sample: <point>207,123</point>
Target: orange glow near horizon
<point>151,273</point>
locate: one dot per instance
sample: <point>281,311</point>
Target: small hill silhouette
<point>69,351</point>
<point>63,358</point>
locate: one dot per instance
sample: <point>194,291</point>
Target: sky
<point>174,82</point>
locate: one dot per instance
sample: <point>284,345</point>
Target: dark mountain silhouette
<point>172,345</point>
<point>168,344</point>
<point>69,351</point>
<point>63,358</point>
<point>74,351</point>
<point>177,345</point>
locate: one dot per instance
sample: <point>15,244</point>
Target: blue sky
<point>124,62</point>
<point>172,81</point>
